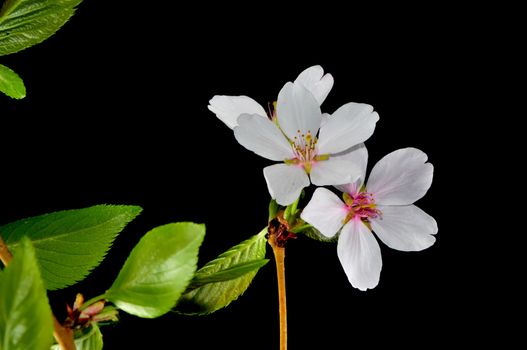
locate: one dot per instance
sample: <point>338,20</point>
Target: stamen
<point>271,111</point>
<point>305,150</point>
<point>361,206</point>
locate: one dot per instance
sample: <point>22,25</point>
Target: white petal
<point>297,110</point>
<point>229,108</point>
<point>405,228</point>
<point>334,171</point>
<point>325,211</point>
<point>285,182</point>
<point>316,82</point>
<point>325,118</point>
<point>359,156</point>
<point>360,255</point>
<point>401,177</point>
<point>263,137</point>
<point>350,125</point>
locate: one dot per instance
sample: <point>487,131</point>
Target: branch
<point>63,335</point>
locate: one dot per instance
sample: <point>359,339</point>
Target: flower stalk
<point>279,255</point>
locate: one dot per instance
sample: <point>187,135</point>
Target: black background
<point>116,112</point>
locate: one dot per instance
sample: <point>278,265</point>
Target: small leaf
<point>228,274</point>
<point>315,234</point>
<point>24,23</point>
<point>158,270</point>
<point>214,296</point>
<point>91,339</point>
<point>11,84</point>
<point>25,315</point>
<point>70,243</point>
<point>273,209</point>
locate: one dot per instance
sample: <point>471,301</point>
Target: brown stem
<point>5,254</point>
<point>63,336</point>
<point>279,255</point>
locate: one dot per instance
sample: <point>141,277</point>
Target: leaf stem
<point>63,335</point>
<point>279,255</point>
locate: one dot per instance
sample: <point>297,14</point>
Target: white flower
<point>229,108</point>
<point>292,138</point>
<point>316,82</point>
<point>384,205</point>
<point>291,134</point>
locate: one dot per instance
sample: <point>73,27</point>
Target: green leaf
<point>228,274</point>
<point>91,339</point>
<point>70,243</point>
<point>25,315</point>
<point>315,234</point>
<point>273,209</point>
<point>11,84</point>
<point>24,23</point>
<point>214,296</point>
<point>158,270</point>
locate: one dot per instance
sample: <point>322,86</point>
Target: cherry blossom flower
<point>294,138</point>
<point>384,205</point>
<point>290,134</point>
<point>229,108</point>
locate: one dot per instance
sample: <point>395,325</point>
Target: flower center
<point>305,151</point>
<point>361,206</point>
